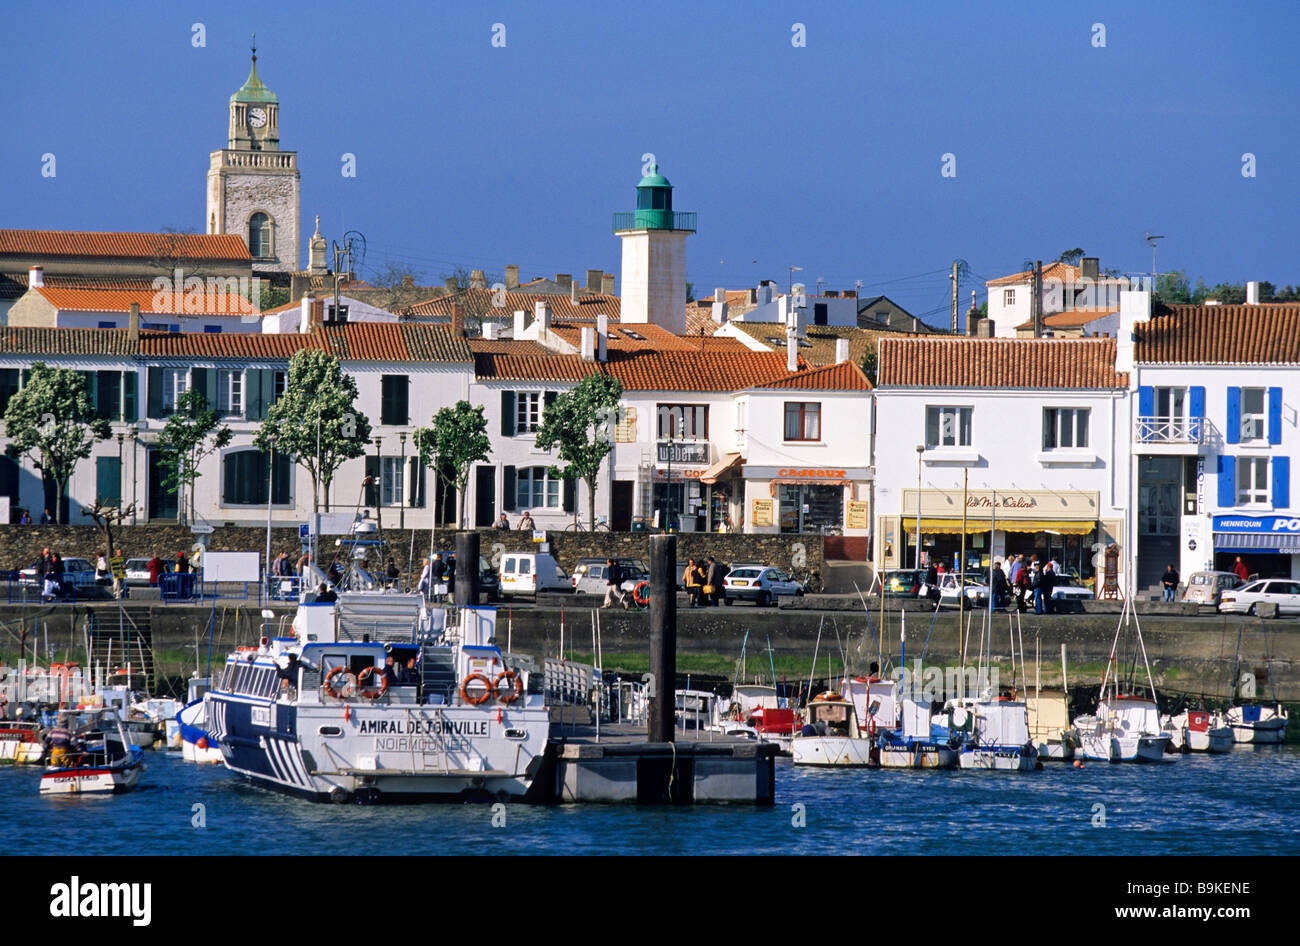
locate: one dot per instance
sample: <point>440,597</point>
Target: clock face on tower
<point>256,117</point>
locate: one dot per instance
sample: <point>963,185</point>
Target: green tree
<point>1172,289</point>
<point>190,434</point>
<point>457,440</point>
<point>869,363</point>
<point>1071,256</point>
<point>52,422</point>
<point>580,424</point>
<point>315,422</point>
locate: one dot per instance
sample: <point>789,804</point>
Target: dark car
<point>489,583</point>
<point>903,583</point>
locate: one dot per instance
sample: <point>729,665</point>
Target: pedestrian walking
<point>1170,580</point>
<point>713,576</point>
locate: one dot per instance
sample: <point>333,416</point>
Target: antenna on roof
<point>1151,242</point>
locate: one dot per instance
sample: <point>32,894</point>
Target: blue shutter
<point>1275,415</point>
<point>1233,432</point>
<point>1146,401</point>
<point>1227,482</point>
<point>1196,412</point>
<point>1281,482</point>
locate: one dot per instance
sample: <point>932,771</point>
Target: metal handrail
<point>1171,430</point>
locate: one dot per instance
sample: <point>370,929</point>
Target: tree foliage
<point>869,363</point>
<point>315,420</point>
<point>457,440</point>
<point>1071,257</point>
<point>52,422</point>
<point>578,426</point>
<point>190,434</point>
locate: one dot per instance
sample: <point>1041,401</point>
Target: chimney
<point>477,280</point>
<point>720,305</point>
<point>450,283</point>
<point>304,320</point>
<point>520,324</point>
<point>457,320</point>
<point>489,331</point>
<point>607,284</point>
<point>512,276</point>
<point>564,280</point>
<point>317,314</point>
<point>1252,293</point>
<point>542,316</point>
<point>593,280</point>
<point>984,329</point>
<point>132,320</point>
<point>791,350</point>
<point>841,350</point>
<point>588,344</point>
<point>408,282</point>
<point>1134,307</point>
<point>850,293</point>
<point>831,293</point>
<point>573,292</point>
<point>602,336</point>
<point>36,277</point>
<point>1089,268</point>
<point>751,297</point>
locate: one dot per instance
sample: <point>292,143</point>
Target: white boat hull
<point>1218,740</point>
<point>1267,733</point>
<point>999,758</point>
<point>921,755</point>
<point>1107,747</point>
<point>831,751</point>
<point>193,752</point>
<point>102,780</point>
<point>1054,752</point>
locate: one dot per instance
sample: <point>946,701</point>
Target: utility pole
<point>953,277</point>
<point>1036,299</point>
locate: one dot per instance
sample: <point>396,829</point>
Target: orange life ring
<point>641,594</point>
<point>516,686</point>
<point>372,692</point>
<point>487,689</point>
<point>348,687</point>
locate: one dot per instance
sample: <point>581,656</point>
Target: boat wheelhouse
<point>96,758</point>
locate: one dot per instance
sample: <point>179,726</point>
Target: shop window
<point>947,426</point>
<point>1252,480</point>
<point>1065,427</point>
<point>803,420</point>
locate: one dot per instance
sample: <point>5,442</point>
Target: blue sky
<point>826,156</point>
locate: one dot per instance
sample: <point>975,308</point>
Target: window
<point>1253,416</point>
<point>535,489</point>
<point>390,488</point>
<point>279,381</point>
<point>1252,480</point>
<point>1008,297</point>
<point>212,330</point>
<point>1065,427</point>
<point>173,327</point>
<point>244,478</point>
<point>683,422</point>
<point>394,399</point>
<point>110,324</point>
<point>803,420</point>
<point>230,392</point>
<point>528,411</point>
<point>259,236</point>
<point>175,382</point>
<point>8,386</point>
<point>1169,403</point>
<point>947,426</point>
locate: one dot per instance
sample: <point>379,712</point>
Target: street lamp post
<point>920,451</point>
<point>120,438</point>
<point>405,488</point>
<point>379,485</point>
<point>681,426</point>
<point>270,493</point>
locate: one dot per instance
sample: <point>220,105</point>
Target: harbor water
<point>1247,802</point>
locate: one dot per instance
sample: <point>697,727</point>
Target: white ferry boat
<point>317,715</point>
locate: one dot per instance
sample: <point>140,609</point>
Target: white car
<point>137,571</point>
<point>977,593</point>
<point>761,584</point>
<point>1283,592</point>
<point>77,572</point>
<point>1067,586</point>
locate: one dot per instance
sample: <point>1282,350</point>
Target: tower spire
<point>254,50</point>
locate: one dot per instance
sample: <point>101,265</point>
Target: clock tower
<point>252,184</point>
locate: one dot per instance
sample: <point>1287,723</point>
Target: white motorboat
<point>999,739</point>
<point>1198,731</point>
<point>21,743</point>
<point>1257,723</point>
<point>912,745</point>
<point>833,735</point>
<point>97,758</point>
<point>1049,725</point>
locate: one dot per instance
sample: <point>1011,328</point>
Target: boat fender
<point>372,692</point>
<point>513,681</point>
<point>201,742</point>
<point>487,689</point>
<point>338,795</point>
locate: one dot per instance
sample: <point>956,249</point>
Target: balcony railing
<point>653,220</point>
<point>1171,430</point>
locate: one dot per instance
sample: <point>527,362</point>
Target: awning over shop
<point>946,526</point>
<point>728,463</point>
<point>1257,542</point>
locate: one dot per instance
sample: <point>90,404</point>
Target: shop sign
<point>1280,525</point>
<point>761,512</point>
<point>682,453</point>
<point>857,514</point>
<point>1200,485</point>
<point>1010,504</point>
<point>661,476</point>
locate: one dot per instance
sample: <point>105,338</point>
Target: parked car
<point>904,583</point>
<point>1208,587</point>
<point>761,584</point>
<point>1067,586</point>
<point>137,571</point>
<point>589,575</point>
<point>1283,592</point>
<point>527,573</point>
<point>77,572</point>
<point>977,593</point>
<point>488,584</point>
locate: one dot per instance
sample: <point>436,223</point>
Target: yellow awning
<point>715,472</point>
<point>946,526</point>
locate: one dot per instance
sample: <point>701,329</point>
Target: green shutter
<point>108,479</point>
<point>254,404</point>
<point>130,406</point>
<point>547,400</point>
<point>282,480</point>
<point>415,480</point>
<point>508,415</point>
<point>211,383</point>
<point>199,382</point>
<point>372,488</point>
<point>402,396</point>
<point>570,494</point>
<point>229,478</point>
<point>508,499</point>
<point>155,392</point>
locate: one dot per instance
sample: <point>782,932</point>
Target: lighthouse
<point>654,256</point>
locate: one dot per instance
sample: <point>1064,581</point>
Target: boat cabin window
<point>835,716</point>
<point>226,674</point>
<point>354,662</point>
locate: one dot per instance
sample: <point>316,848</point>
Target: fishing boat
<point>913,744</point>
<point>757,711</point>
<point>1049,725</point>
<point>1126,726</point>
<point>1257,723</point>
<point>1197,731</point>
<point>833,735</point>
<point>999,738</point>
<point>96,758</point>
<point>316,715</point>
<point>21,743</point>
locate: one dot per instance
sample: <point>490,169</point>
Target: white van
<point>526,573</point>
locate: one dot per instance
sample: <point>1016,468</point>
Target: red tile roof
<point>1220,335</point>
<point>170,246</point>
<point>241,345</point>
<point>1071,319</point>
<point>119,299</point>
<point>842,377</point>
<point>64,341</point>
<point>998,363</point>
<point>481,301</point>
<point>1062,271</point>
